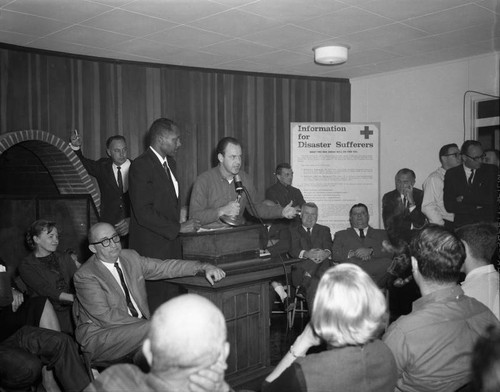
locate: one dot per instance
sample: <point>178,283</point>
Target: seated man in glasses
<point>433,204</point>
<point>111,310</point>
<point>470,188</point>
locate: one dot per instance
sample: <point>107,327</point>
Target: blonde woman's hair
<point>349,309</point>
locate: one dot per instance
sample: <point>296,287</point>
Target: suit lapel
<point>158,167</point>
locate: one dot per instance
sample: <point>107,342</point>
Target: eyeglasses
<point>453,154</point>
<point>107,241</point>
<point>477,159</point>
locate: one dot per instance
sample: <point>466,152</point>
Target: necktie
<point>120,179</point>
<point>130,305</point>
<point>309,239</point>
<point>361,234</point>
<point>167,170</point>
<point>471,177</point>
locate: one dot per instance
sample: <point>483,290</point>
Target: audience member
<point>402,207</point>
<point>154,194</point>
<point>214,193</point>
<point>187,338</point>
<point>311,242</point>
<point>30,344</point>
<point>470,189</point>
<point>112,311</point>
<point>112,177</point>
<point>349,313</point>
<point>433,344</point>
<point>486,361</point>
<point>433,203</point>
<point>283,192</point>
<point>492,157</point>
<point>49,273</point>
<point>482,280</point>
<point>361,244</point>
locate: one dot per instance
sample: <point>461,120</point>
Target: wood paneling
<point>57,93</point>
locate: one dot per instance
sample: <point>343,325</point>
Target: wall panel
<point>57,93</point>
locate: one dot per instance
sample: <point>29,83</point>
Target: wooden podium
<point>243,297</point>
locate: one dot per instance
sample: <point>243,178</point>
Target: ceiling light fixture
<point>331,54</point>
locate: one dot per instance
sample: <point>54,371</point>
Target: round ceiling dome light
<point>331,54</point>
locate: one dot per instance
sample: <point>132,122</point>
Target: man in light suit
<point>111,310</point>
<point>154,195</point>
<point>402,207</point>
<point>470,189</point>
<point>312,243</point>
<point>361,244</point>
<point>112,177</point>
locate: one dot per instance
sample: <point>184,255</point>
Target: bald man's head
<point>104,242</point>
<point>186,332</point>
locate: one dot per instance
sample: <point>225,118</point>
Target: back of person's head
<point>111,139</point>
<point>186,332</point>
<point>282,166</point>
<point>486,361</point>
<point>481,238</point>
<point>443,151</point>
<point>36,228</point>
<point>221,146</point>
<point>349,308</point>
<point>464,150</point>
<point>158,127</point>
<point>439,254</point>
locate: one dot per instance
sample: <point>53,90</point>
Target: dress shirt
<point>482,284</point>
<point>433,344</point>
<point>172,176</point>
<point>111,268</point>
<point>433,204</point>
<point>124,168</point>
<point>365,231</point>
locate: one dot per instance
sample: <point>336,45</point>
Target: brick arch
<point>64,166</point>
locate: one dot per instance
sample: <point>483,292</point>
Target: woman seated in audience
<point>49,273</point>
<point>349,314</point>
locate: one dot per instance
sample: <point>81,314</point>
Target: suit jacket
<point>479,202</point>
<point>103,325</point>
<point>283,195</point>
<point>397,219</point>
<point>114,205</point>
<point>154,222</point>
<point>346,240</point>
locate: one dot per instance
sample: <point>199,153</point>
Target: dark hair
<point>159,126</point>
<point>468,144</point>
<point>443,151</point>
<point>36,228</point>
<point>481,239</point>
<point>439,253</point>
<point>310,205</point>
<point>113,138</point>
<point>357,206</point>
<point>406,171</point>
<point>282,166</point>
<point>221,146</point>
<point>486,361</point>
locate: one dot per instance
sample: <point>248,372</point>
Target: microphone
<point>238,186</point>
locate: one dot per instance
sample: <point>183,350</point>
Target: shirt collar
<point>480,270</point>
<point>442,295</point>
<point>123,166</point>
<point>162,160</point>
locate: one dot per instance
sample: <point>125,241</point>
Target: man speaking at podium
<point>223,191</point>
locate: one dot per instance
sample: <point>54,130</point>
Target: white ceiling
<point>272,36</point>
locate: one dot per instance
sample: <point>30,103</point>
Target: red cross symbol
<point>366,132</point>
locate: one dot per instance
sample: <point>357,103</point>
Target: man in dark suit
<point>112,177</point>
<point>470,189</point>
<point>154,195</point>
<point>111,310</point>
<point>361,244</point>
<point>312,243</point>
<point>402,207</point>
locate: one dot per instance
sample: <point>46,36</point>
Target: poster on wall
<point>336,165</point>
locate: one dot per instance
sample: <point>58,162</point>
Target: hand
<point>288,211</point>
<point>317,255</point>
<point>190,226</point>
<point>75,139</point>
<point>122,227</point>
<point>408,192</point>
<point>213,273</point>
<point>460,198</point>
<point>17,299</point>
<point>209,379</point>
<point>364,254</point>
<point>230,209</point>
<point>305,341</point>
